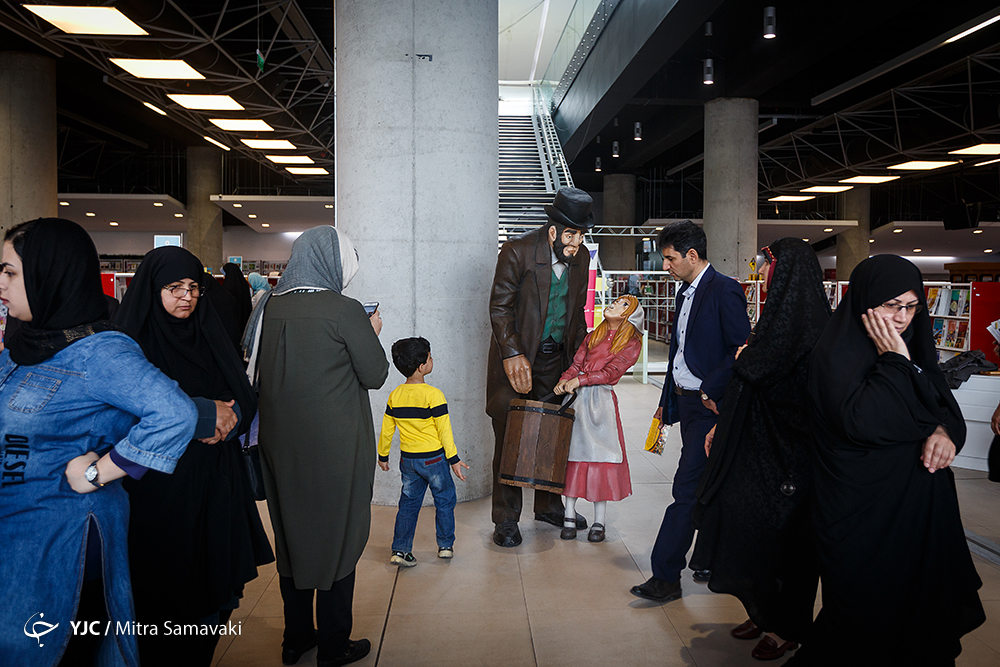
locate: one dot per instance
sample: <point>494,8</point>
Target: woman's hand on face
<point>939,450</point>
<point>376,320</point>
<point>709,438</point>
<point>883,333</point>
<point>75,469</point>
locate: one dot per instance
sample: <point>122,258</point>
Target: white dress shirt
<point>557,266</point>
<point>683,377</point>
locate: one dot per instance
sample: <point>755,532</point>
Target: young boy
<point>425,440</point>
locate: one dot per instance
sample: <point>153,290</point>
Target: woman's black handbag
<point>251,457</point>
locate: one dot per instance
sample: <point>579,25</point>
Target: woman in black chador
<point>899,585</point>
<point>753,500</point>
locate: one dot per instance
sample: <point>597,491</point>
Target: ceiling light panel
<point>290,159</point>
<point>87,20</point>
<point>978,149</point>
<point>240,125</point>
<point>207,102</point>
<point>869,179</point>
<point>213,141</point>
<point>157,69</point>
<point>307,171</point>
<point>156,109</point>
<point>792,198</point>
<point>923,165</point>
<point>827,188</point>
<point>269,144</point>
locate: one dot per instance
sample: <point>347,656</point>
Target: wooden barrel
<point>536,445</point>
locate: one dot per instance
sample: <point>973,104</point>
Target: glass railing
<point>584,13</point>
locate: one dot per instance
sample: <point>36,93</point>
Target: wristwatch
<point>705,397</point>
<point>90,474</point>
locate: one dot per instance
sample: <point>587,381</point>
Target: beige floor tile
<point>979,504</point>
<point>457,640</point>
<point>459,585</point>
<point>976,654</point>
<point>990,574</point>
<point>989,632</point>
<point>607,637</point>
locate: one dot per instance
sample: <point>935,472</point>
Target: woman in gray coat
<point>316,354</point>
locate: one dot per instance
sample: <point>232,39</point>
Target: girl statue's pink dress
<point>598,468</point>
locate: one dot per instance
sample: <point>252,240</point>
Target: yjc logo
<point>46,628</point>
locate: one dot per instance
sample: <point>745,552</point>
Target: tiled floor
<point>552,603</point>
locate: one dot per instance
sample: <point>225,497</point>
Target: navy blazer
<point>717,326</point>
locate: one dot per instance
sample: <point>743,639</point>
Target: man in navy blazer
<point>710,324</point>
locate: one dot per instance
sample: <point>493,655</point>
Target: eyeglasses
<point>179,291</point>
<point>913,308</point>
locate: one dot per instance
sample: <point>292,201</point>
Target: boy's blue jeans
<point>417,475</point>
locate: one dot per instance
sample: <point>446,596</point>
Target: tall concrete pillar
<point>204,218</point>
<point>731,184</point>
<point>417,193</point>
<point>618,252</point>
<point>28,161</point>
<point>852,245</point>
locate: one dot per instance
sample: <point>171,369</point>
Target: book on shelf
<point>943,302</point>
<point>963,334</point>
<point>994,329</point>
<point>953,304</point>
<point>932,298</point>
<point>938,331</point>
<point>951,332</point>
<point>966,305</point>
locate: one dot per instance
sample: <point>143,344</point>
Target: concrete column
<point>852,245</point>
<point>28,162</point>
<point>417,193</point>
<point>204,218</point>
<point>731,184</point>
<point>618,252</point>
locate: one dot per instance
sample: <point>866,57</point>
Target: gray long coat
<point>319,356</point>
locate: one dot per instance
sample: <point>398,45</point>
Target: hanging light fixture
<point>770,23</point>
<point>614,149</point>
<point>597,165</point>
<point>637,133</point>
<point>708,72</point>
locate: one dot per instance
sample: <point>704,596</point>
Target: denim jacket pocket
<point>34,392</point>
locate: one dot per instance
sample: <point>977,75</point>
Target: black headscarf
<point>238,286</point>
<point>62,280</point>
<point>195,351</point>
<point>845,354</point>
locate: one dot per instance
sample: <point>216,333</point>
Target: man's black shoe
<point>657,590</point>
<point>557,519</point>
<point>702,576</point>
<point>355,651</point>
<point>507,534</point>
<point>290,655</point>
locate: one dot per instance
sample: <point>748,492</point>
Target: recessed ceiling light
<point>89,214</point>
<point>328,206</point>
<point>271,144</point>
<point>988,250</point>
<point>64,203</point>
<point>978,149</point>
<point>237,205</point>
<point>212,102</point>
<point>178,215</point>
<point>871,240</point>
<point>213,141</point>
<point>828,230</point>
<point>157,69</point>
<point>977,231</point>
<point>113,224</point>
<point>983,164</point>
<point>241,125</point>
<point>290,159</point>
<point>252,216</point>
<point>791,198</point>
<point>918,250</point>
<point>972,30</point>
<point>922,165</point>
<point>828,188</point>
<point>156,109</point>
<point>869,179</point>
<point>307,171</point>
<point>806,240</point>
<point>157,203</point>
<point>87,20</point>
<point>264,224</point>
<point>897,231</point>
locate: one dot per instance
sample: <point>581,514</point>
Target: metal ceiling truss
<point>294,94</point>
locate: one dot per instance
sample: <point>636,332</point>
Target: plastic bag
<point>656,437</point>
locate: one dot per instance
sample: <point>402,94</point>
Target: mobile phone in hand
<point>371,307</point>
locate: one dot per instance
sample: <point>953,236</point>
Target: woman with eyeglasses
<point>753,511</point>
<point>195,537</point>
<point>80,408</point>
<point>899,584</point>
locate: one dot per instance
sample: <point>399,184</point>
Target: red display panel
<point>985,309</point>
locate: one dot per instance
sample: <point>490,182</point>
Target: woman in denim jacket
<point>79,404</point>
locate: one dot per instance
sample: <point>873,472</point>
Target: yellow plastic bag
<point>654,440</point>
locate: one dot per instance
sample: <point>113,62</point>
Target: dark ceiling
<point>944,98</point>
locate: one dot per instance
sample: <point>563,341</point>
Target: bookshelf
<point>949,305</point>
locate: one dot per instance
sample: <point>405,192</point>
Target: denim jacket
<point>98,393</point>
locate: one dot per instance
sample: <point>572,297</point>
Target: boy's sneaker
<point>403,560</point>
<point>445,552</point>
